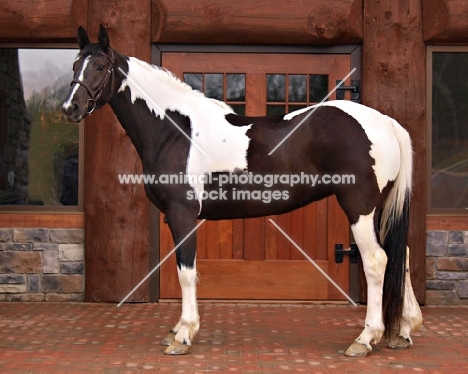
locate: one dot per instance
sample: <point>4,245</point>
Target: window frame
<point>53,209</point>
<point>430,50</point>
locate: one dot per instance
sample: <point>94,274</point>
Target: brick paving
<point>242,338</point>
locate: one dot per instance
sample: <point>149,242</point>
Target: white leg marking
<point>412,317</point>
<point>374,261</point>
<point>67,104</point>
<point>189,323</point>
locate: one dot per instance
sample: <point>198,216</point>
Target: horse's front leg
<point>181,336</point>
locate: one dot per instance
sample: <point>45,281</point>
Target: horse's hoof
<point>399,342</point>
<point>357,350</point>
<point>177,348</point>
<point>169,338</point>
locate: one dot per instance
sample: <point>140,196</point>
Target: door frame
<point>355,53</point>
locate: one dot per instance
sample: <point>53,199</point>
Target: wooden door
<point>250,258</point>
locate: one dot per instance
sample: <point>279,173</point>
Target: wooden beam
<point>445,21</point>
<point>257,22</point>
<point>117,216</point>
<point>46,20</point>
<point>394,83</point>
<point>33,220</point>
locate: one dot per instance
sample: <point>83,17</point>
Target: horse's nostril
<point>70,108</point>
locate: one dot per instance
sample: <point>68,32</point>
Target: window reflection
<point>214,86</point>
<point>449,174</point>
<point>276,87</point>
<point>235,87</point>
<point>38,149</point>
<point>194,80</point>
<point>318,87</point>
<point>297,88</point>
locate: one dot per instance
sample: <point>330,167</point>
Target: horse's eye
<point>101,67</point>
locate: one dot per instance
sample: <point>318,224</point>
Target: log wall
<point>257,22</point>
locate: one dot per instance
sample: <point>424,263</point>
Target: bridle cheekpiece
<point>96,95</point>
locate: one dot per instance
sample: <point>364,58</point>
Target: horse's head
<point>93,77</point>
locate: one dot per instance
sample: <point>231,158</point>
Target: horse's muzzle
<point>72,112</point>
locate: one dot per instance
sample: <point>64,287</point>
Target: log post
<point>117,216</point>
<point>393,78</point>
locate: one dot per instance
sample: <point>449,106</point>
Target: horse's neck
<point>147,94</point>
<point>159,89</point>
<point>152,93</point>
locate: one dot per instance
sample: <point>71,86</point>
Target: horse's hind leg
<point>181,336</point>
<point>411,317</point>
<point>374,262</point>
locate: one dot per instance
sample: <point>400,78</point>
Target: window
<point>40,152</point>
<point>448,126</point>
<point>220,86</point>
<point>302,91</point>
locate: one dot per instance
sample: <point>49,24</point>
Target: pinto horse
<point>178,131</point>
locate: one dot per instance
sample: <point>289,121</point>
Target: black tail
<point>394,281</point>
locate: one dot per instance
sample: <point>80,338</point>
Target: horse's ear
<point>83,39</point>
<point>103,38</point>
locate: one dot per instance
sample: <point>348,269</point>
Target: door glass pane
<point>276,87</point>
<point>292,108</point>
<point>318,87</point>
<point>238,108</point>
<point>214,86</point>
<point>449,174</point>
<point>297,88</point>
<point>194,80</point>
<point>235,87</point>
<point>276,109</point>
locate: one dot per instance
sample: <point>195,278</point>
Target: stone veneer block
<point>456,237</point>
<point>440,285</point>
<point>51,262</point>
<point>13,288</point>
<point>72,268</point>
<point>5,235</point>
<point>67,236</point>
<point>12,279</point>
<point>437,243</point>
<point>33,283</point>
<point>430,267</point>
<point>62,283</point>
<point>452,264</point>
<point>463,289</point>
<point>46,247</point>
<point>30,235</point>
<point>18,262</point>
<point>441,297</point>
<point>458,250</point>
<point>71,252</point>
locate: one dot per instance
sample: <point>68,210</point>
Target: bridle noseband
<point>96,95</point>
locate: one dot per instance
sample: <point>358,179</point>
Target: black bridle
<point>96,95</point>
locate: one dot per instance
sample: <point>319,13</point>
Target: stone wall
<point>41,264</point>
<point>447,267</point>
